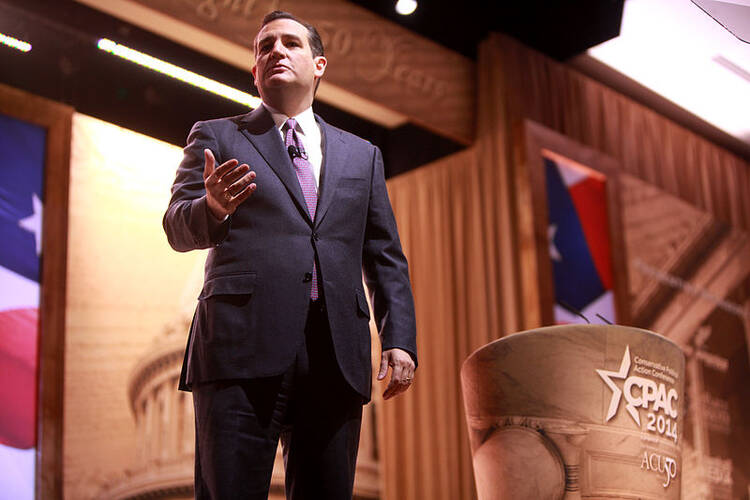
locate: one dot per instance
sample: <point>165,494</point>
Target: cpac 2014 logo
<point>641,392</point>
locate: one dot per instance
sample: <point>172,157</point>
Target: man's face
<point>283,57</point>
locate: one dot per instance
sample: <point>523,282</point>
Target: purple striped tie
<point>307,182</point>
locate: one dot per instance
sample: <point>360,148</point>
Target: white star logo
<point>554,254</point>
<point>33,223</point>
<point>607,376</point>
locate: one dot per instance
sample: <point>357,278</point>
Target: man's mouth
<point>277,68</point>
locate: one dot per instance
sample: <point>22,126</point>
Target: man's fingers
<point>208,167</point>
<point>235,188</point>
<point>397,373</point>
<point>394,389</point>
<point>391,390</point>
<point>225,168</point>
<point>394,386</point>
<point>235,174</point>
<point>216,175</point>
<point>242,196</point>
<point>403,381</point>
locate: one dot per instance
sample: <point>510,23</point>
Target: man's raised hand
<point>227,185</point>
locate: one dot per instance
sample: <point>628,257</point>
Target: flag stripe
<point>17,473</point>
<point>17,291</point>
<point>590,199</point>
<point>18,359</point>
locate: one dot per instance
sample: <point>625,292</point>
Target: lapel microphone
<point>294,152</point>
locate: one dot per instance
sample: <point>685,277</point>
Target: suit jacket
<point>252,310</point>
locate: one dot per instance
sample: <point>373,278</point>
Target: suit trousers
<point>310,407</point>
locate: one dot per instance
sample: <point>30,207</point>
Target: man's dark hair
<point>313,38</point>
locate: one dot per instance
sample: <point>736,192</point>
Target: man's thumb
<point>208,169</point>
<point>383,367</point>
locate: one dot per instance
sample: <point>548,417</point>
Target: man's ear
<point>320,63</point>
<point>254,71</point>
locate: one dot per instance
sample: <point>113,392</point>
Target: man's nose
<point>278,49</point>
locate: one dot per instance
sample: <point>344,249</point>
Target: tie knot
<point>291,124</point>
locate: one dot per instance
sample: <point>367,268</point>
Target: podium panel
<point>576,411</point>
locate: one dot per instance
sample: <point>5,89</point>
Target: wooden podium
<point>576,411</point>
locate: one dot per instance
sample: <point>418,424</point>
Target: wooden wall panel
<point>423,433</point>
<point>645,143</point>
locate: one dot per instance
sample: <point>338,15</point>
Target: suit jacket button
<point>315,236</point>
<point>308,277</point>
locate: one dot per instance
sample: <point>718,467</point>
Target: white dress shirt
<point>307,131</point>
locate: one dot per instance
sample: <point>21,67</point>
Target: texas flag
<point>579,246</point>
<point>22,151</point>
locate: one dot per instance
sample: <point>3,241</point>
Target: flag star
<point>608,375</point>
<point>554,254</point>
<point>33,223</point>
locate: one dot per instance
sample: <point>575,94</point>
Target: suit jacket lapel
<point>258,127</point>
<point>335,155</point>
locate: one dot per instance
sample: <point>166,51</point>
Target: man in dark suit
<point>293,214</point>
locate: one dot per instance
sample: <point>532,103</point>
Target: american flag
<point>22,151</point>
<point>579,244</point>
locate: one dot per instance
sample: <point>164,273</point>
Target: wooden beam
<point>724,269</point>
<point>377,69</point>
<point>664,233</point>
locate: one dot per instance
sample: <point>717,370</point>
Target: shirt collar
<point>305,121</point>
